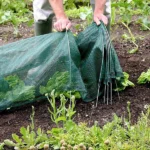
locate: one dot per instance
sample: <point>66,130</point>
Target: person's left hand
<point>99,16</point>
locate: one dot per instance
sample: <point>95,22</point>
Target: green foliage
<point>17,90</point>
<point>144,22</point>
<point>144,77</point>
<point>58,82</point>
<point>130,8</point>
<point>130,38</point>
<point>61,113</point>
<point>118,134</point>
<point>29,137</point>
<point>76,135</point>
<point>70,4</point>
<point>13,81</point>
<point>2,146</point>
<point>82,12</point>
<point>9,143</point>
<point>14,11</point>
<point>123,83</point>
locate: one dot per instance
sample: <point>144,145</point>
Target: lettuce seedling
<point>15,90</point>
<point>59,82</point>
<point>144,77</point>
<point>124,82</point>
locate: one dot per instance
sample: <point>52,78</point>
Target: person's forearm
<point>57,6</point>
<point>62,22</point>
<point>99,12</point>
<point>99,6</point>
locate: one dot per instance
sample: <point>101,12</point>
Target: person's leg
<point>107,11</point>
<point>43,15</point>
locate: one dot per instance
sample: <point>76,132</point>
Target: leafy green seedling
<point>29,137</point>
<point>58,82</point>
<point>144,77</point>
<point>17,90</point>
<point>61,113</point>
<point>123,83</point>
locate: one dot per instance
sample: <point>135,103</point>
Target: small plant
<point>84,13</point>
<point>130,38</point>
<point>123,83</point>
<point>15,90</point>
<point>61,113</point>
<point>58,82</point>
<point>30,139</point>
<point>144,77</point>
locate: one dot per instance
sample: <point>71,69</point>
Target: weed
<point>131,38</point>
<point>29,137</point>
<point>62,113</point>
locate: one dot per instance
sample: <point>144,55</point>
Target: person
<point>44,11</point>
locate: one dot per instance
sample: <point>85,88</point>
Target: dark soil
<point>134,64</point>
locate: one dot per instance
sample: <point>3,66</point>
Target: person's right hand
<point>62,24</point>
<point>98,16</point>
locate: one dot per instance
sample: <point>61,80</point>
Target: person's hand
<point>100,17</point>
<point>62,24</point>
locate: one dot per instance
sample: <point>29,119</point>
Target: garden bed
<point>134,64</point>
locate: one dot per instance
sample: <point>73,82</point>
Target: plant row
<point>68,135</point>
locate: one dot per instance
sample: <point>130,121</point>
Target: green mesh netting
<point>32,67</point>
<point>99,61</point>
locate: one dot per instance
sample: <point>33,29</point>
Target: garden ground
<point>134,64</point>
